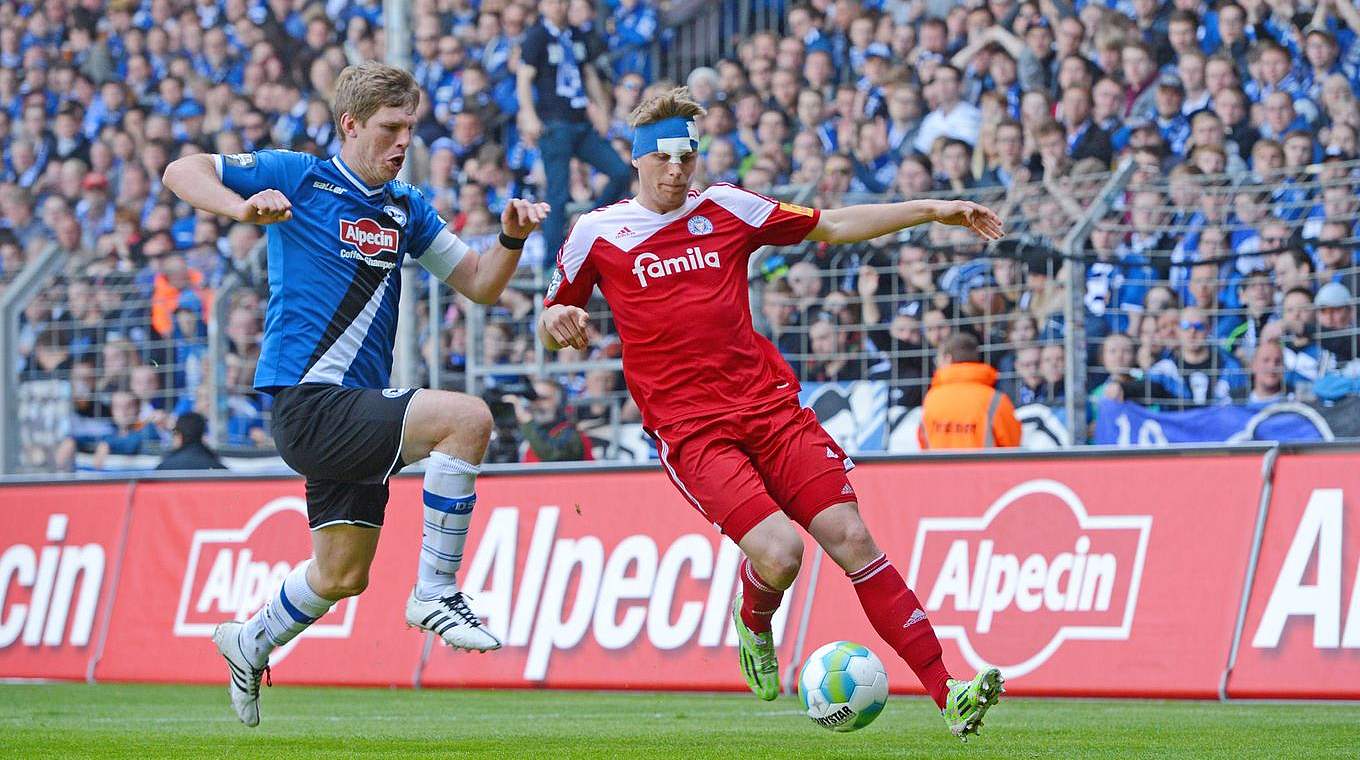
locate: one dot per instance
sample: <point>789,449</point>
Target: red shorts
<point>743,466</point>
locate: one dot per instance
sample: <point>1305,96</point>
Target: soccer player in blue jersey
<point>338,232</point>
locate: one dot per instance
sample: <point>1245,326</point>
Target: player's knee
<point>851,536</point>
<point>342,584</point>
<point>782,561</point>
<point>479,421</point>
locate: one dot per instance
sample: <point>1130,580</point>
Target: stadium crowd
<point>1236,236</point>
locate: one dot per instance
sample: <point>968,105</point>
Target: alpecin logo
<point>232,571</point>
<point>368,236</point>
<point>650,265</point>
<point>1033,571</point>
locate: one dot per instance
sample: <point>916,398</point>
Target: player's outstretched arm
<point>855,223</point>
<point>193,179</point>
<point>483,276</point>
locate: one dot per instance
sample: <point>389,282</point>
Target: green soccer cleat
<point>759,663</point>
<point>968,701</point>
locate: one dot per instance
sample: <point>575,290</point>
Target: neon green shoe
<point>968,701</point>
<point>759,663</point>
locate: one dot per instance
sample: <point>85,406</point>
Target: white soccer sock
<point>450,494</point>
<point>288,613</point>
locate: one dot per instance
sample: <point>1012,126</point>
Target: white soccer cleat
<point>244,684</point>
<point>452,620</point>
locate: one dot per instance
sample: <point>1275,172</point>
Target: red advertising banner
<point>1075,577</point>
<point>206,552</point>
<point>58,548</point>
<point>1118,576</point>
<point>604,580</point>
<point>1302,632</point>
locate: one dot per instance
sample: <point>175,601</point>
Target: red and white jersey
<point>677,285</point>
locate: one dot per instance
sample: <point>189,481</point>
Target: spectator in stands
<point>952,116</point>
<point>1257,294</point>
<point>1197,372</point>
<point>1267,376</point>
<point>1336,256</point>
<point>1339,335</point>
<point>548,434</point>
<point>1296,332</point>
<point>1027,387</point>
<point>963,408</point>
<point>127,437</point>
<point>189,452</point>
<point>829,357</point>
<point>1053,368</point>
<point>557,79</point>
<point>1293,269</point>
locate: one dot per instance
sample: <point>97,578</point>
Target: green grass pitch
<point>79,721</point>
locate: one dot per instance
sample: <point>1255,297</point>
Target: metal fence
<point>1195,272</point>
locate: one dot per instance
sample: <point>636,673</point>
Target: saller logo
<point>1032,572</point>
<point>653,266</point>
<point>368,236</point>
<point>232,571</point>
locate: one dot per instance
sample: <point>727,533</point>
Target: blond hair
<point>674,102</point>
<point>362,90</point>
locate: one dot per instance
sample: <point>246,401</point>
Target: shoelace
<point>458,606</point>
<point>766,658</point>
<point>268,681</point>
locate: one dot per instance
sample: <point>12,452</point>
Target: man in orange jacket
<point>963,409</point>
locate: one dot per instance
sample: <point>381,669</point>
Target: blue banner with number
<point>1124,424</point>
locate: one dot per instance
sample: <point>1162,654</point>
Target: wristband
<point>511,243</point>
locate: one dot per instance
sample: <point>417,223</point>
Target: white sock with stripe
<point>450,494</point>
<point>288,613</point>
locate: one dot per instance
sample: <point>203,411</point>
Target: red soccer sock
<point>759,600</point>
<point>899,618</point>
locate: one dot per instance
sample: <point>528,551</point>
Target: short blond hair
<point>669,104</point>
<point>362,90</point>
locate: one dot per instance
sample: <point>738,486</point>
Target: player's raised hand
<point>974,216</point>
<point>521,217</point>
<point>567,325</point>
<point>265,207</point>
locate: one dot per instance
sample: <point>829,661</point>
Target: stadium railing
<point>1042,290</point>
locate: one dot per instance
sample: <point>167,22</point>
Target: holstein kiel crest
<point>699,225</point>
<point>368,237</point>
<point>232,571</point>
<point>1033,571</point>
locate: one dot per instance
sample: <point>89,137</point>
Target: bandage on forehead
<point>676,137</point>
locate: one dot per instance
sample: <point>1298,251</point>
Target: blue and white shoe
<point>244,682</point>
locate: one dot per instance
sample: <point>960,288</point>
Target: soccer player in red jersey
<point>722,403</point>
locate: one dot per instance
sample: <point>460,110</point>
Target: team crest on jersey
<point>240,160</point>
<point>395,214</point>
<point>369,237</point>
<point>699,225</point>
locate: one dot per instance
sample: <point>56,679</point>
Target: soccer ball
<point>843,686</point>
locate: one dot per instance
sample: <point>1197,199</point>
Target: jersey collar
<point>359,184</point>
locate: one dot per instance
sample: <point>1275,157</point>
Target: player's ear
<point>635,164</point>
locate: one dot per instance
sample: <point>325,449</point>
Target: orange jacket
<point>165,299</point>
<point>964,410</point>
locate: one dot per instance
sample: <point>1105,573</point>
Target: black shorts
<point>347,442</point>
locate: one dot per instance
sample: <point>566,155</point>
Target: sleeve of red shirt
<point>575,276</point>
<point>787,224</point>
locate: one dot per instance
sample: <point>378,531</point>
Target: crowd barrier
<point>1195,573</point>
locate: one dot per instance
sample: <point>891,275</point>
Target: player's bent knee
<point>343,584</point>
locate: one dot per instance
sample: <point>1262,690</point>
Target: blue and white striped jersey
<point>335,267</point>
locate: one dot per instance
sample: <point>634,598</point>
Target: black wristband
<point>511,243</point>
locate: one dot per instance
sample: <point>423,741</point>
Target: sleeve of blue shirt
<point>249,173</point>
<point>425,223</point>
